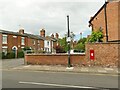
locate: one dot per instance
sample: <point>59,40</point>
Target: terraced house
<point>107,19</point>
<point>17,41</point>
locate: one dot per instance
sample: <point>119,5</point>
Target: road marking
<point>59,85</point>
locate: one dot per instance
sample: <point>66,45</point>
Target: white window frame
<point>4,49</point>
<point>48,43</point>
<point>22,40</point>
<point>34,42</point>
<point>4,41</point>
<point>14,36</point>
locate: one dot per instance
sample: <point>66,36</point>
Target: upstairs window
<point>22,40</point>
<point>33,42</point>
<point>38,42</point>
<point>4,39</point>
<point>47,43</point>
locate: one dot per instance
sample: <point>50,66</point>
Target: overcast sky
<point>33,15</point>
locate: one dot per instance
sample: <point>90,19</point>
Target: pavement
<point>18,64</point>
<point>61,68</point>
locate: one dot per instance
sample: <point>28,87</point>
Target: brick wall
<point>54,59</point>
<point>11,42</point>
<point>106,54</point>
<point>112,21</point>
<point>42,44</point>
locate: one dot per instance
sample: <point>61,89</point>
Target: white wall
<point>47,47</point>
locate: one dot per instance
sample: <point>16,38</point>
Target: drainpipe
<point>106,27</point>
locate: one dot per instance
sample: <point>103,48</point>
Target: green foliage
<point>20,54</point>
<point>95,37</point>
<point>3,55</point>
<point>26,48</point>
<point>80,46</point>
<point>82,40</point>
<point>63,44</point>
<point>60,49</point>
<point>41,51</point>
<point>10,55</point>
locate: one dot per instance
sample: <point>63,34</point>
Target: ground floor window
<point>4,50</point>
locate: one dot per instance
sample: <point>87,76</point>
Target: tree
<point>63,44</point>
<point>96,37</point>
<point>59,49</point>
<point>26,48</point>
<point>80,47</point>
<point>82,40</point>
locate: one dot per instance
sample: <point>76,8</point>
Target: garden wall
<point>54,59</point>
<point>105,54</point>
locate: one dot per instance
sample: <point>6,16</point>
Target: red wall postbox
<point>92,56</point>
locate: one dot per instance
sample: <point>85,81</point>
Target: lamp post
<point>68,41</point>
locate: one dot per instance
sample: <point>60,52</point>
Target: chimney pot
<point>42,33</point>
<point>57,36</point>
<point>52,35</point>
<point>21,31</point>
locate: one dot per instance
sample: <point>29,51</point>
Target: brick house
<point>50,42</point>
<point>19,40</point>
<point>107,19</point>
<point>16,41</point>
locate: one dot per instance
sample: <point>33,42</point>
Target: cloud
<point>33,15</point>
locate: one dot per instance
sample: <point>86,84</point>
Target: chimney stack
<point>52,35</point>
<point>21,31</point>
<point>42,33</point>
<point>57,36</point>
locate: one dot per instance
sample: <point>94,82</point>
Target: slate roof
<point>28,35</point>
<point>24,35</point>
<point>50,38</point>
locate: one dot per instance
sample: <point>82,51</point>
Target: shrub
<point>3,55</point>
<point>41,51</point>
<point>60,49</point>
<point>96,37</point>
<point>20,54</point>
<point>10,55</point>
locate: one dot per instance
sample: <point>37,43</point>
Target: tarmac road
<point>38,79</point>
<point>13,78</point>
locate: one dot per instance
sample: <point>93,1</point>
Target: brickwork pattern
<point>113,15</point>
<point>106,54</point>
<point>54,59</point>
